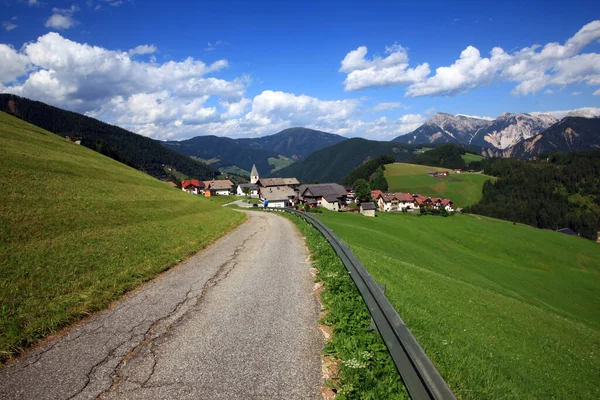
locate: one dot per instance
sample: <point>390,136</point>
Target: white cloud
<point>597,93</point>
<point>576,93</point>
<point>213,46</point>
<point>234,109</point>
<point>588,112</point>
<point>13,64</point>
<point>531,68</point>
<point>389,71</point>
<point>142,49</point>
<point>62,18</point>
<point>386,106</point>
<point>9,25</point>
<point>33,3</point>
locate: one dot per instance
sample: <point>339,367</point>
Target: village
<point>288,192</point>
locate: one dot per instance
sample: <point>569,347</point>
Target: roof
<point>192,182</point>
<point>368,206</point>
<point>329,191</point>
<point>254,172</point>
<point>290,181</point>
<point>388,197</point>
<point>218,184</point>
<point>275,193</point>
<point>266,182</point>
<point>567,231</point>
<point>445,202</point>
<point>376,193</point>
<point>251,186</point>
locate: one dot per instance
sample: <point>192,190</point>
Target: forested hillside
<point>333,163</point>
<point>129,148</point>
<point>559,193</point>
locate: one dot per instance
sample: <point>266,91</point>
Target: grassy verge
<point>505,311</point>
<point>78,230</point>
<point>366,370</point>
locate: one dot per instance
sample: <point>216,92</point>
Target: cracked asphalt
<point>235,321</point>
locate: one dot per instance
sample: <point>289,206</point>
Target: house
<point>278,196</point>
<point>448,204</point>
<point>367,209</point>
<point>192,186</point>
<point>332,196</point>
<point>350,194</point>
<point>375,194</point>
<point>252,190</point>
<point>419,200</point>
<point>73,139</point>
<point>458,171</point>
<point>222,187</point>
<point>395,201</point>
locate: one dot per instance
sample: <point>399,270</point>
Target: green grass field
<point>79,229</point>
<point>504,311</point>
<point>463,189</point>
<point>468,157</point>
<point>279,163</point>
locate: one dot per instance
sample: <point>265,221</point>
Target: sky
<point>179,69</point>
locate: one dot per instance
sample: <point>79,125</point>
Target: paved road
<point>237,320</point>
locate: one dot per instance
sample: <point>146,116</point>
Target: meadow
<point>469,157</point>
<point>79,230</point>
<point>463,189</point>
<point>503,310</point>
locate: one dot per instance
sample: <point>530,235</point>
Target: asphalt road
<point>236,321</point>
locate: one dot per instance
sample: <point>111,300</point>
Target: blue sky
<point>172,70</point>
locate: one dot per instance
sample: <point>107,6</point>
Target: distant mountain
<point>445,128</point>
<point>333,163</point>
<point>223,152</point>
<point>570,134</point>
<point>267,152</point>
<point>509,129</point>
<point>505,131</point>
<point>295,143</point>
<point>127,147</point>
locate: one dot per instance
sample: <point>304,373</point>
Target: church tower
<point>254,174</point>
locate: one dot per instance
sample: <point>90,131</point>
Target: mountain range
<point>511,135</point>
<point>268,153</point>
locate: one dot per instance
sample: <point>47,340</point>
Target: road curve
<point>236,320</point>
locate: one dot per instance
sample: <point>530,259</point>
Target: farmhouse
<point>269,182</point>
<point>192,186</point>
<point>278,196</point>
<point>395,201</point>
<point>251,188</point>
<point>367,209</point>
<point>332,196</point>
<point>217,188</point>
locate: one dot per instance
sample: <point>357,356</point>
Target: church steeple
<point>254,174</point>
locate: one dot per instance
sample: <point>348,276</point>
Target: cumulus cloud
<point>62,18</point>
<point>142,49</point>
<point>175,99</point>
<point>388,71</point>
<point>532,68</point>
<point>13,64</point>
<point>596,93</point>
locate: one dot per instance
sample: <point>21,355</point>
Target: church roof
<point>254,172</point>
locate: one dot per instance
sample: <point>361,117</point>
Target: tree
<point>378,180</point>
<point>362,190</point>
<point>246,191</point>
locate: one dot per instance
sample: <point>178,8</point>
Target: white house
<point>328,195</point>
<point>252,188</point>
<point>395,201</point>
<point>367,209</point>
<point>278,196</point>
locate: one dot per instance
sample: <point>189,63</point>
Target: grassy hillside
<point>463,189</point>
<point>468,157</point>
<point>80,229</point>
<point>503,310</point>
<point>127,147</point>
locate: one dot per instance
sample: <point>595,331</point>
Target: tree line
<point>561,190</point>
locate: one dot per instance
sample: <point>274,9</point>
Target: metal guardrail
<point>421,378</point>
